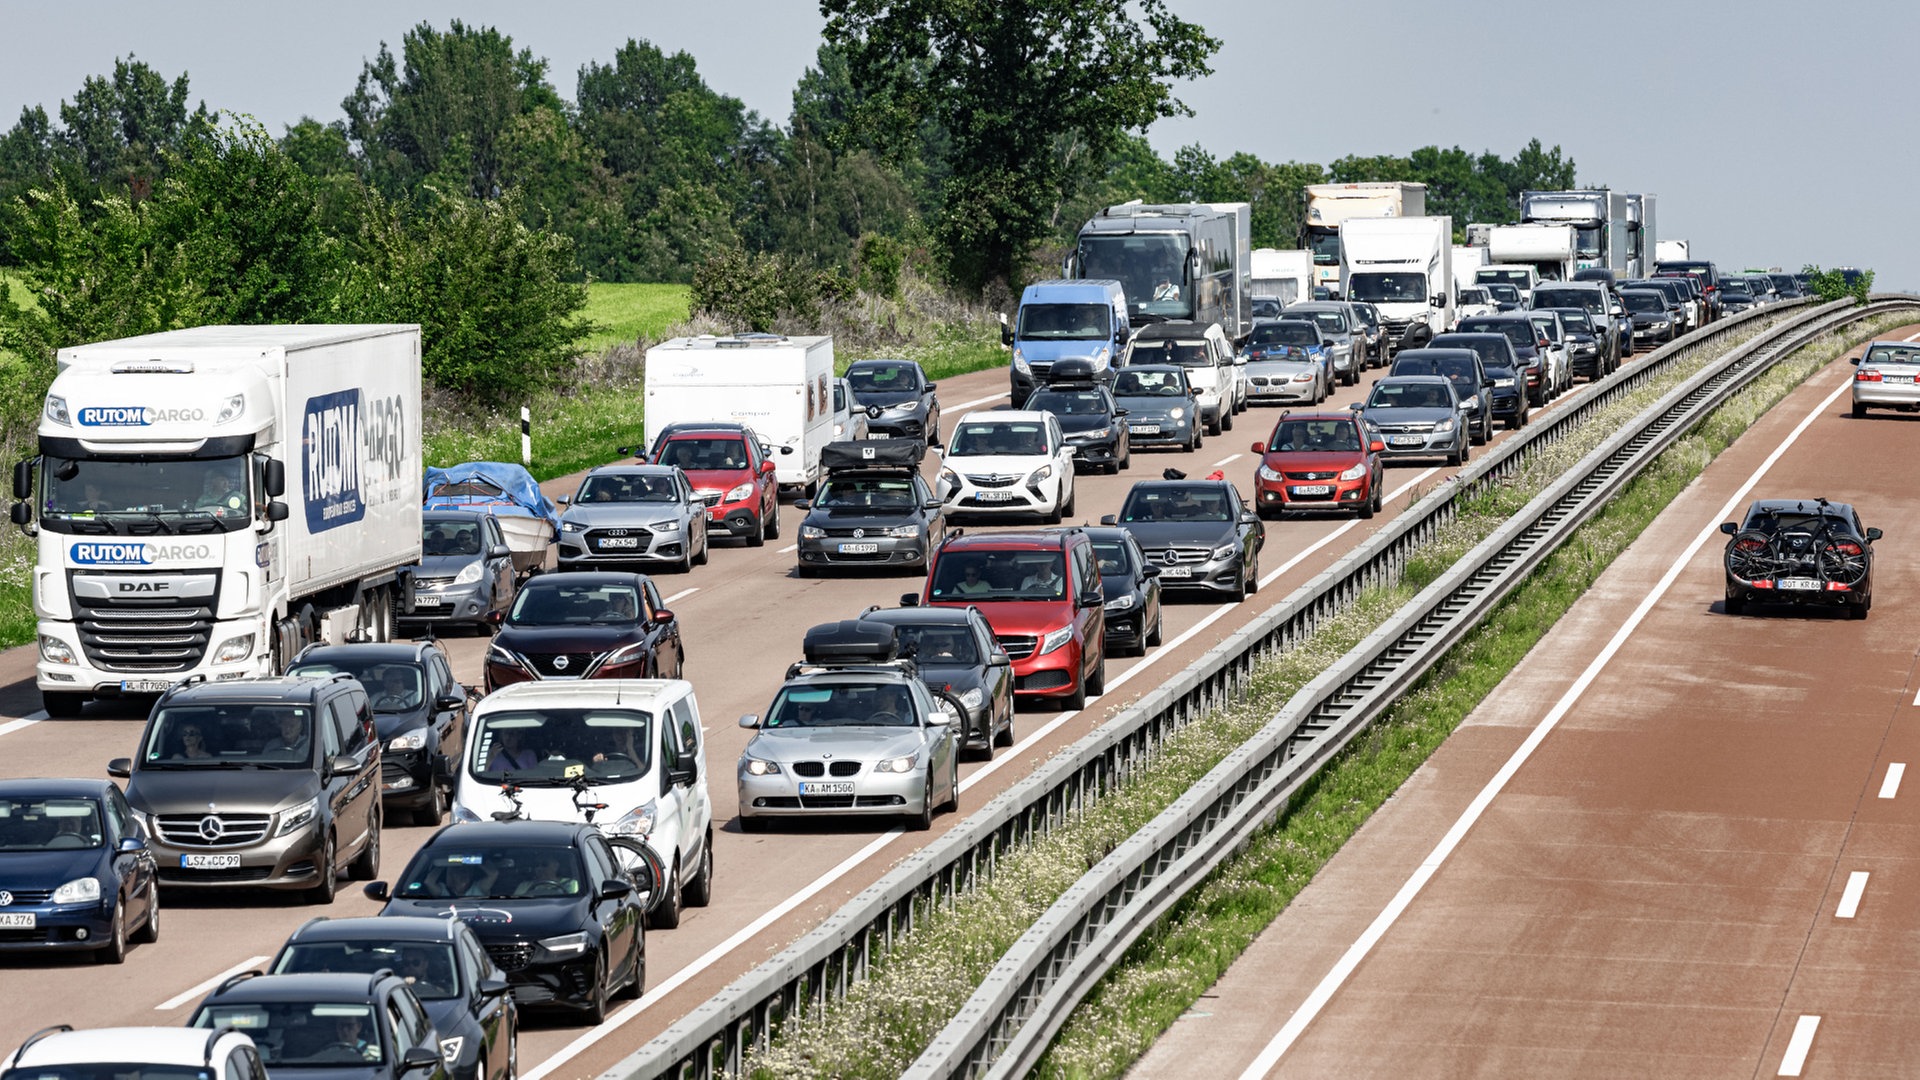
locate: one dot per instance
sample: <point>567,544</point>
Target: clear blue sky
<point>1773,132</point>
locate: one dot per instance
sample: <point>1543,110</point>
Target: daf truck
<point>1551,250</point>
<point>206,502</point>
<point>1612,230</point>
<point>1184,261</point>
<point>1328,205</point>
<point>1404,268</point>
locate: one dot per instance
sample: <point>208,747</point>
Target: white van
<point>624,754</point>
<point>781,387</point>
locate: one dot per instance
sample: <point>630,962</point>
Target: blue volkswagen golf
<point>75,870</point>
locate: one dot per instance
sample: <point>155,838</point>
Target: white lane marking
<point>788,548</point>
<point>1799,1045</point>
<point>1270,1055</point>
<point>1225,461</point>
<point>198,989</point>
<point>1850,898</point>
<point>712,956</point>
<point>963,405</point>
<point>12,726</point>
<point>1891,785</point>
<point>681,593</point>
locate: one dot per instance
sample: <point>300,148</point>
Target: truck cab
<point>1066,320</point>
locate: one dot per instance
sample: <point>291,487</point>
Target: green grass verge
<point>630,313</point>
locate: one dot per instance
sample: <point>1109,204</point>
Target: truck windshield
<point>114,496</point>
<point>1586,241</point>
<point>1065,322</point>
<point>1151,270</point>
<point>1325,245</point>
<point>1402,288</point>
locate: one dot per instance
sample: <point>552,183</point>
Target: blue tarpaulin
<point>499,487</point>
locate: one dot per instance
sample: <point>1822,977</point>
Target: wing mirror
<point>1874,534</point>
<point>23,479</point>
<point>120,768</point>
<point>449,701</point>
<point>750,721</point>
<point>1259,448</point>
<point>130,844</point>
<point>419,1059</point>
<point>1376,446</point>
<point>499,551</point>
<point>766,467</point>
<point>784,450</point>
<point>683,777</point>
<point>1149,571</point>
<point>564,500</point>
<point>1109,519</point>
<point>614,889</point>
<point>275,478</point>
<point>1729,528</point>
<point>662,616</point>
<point>375,890</point>
<point>21,513</point>
<point>803,504</point>
<point>341,764</point>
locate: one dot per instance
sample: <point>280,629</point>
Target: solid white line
<point>711,956</point>
<point>1225,461</point>
<point>788,548</point>
<point>1798,1046</point>
<point>1850,898</point>
<point>201,988</point>
<point>1891,785</point>
<point>681,593</point>
<point>12,726</point>
<point>963,405</point>
<point>1331,983</point>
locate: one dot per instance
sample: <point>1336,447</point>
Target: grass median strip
<point>883,1023</point>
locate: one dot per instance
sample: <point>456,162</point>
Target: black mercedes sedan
<point>579,625</point>
<point>548,900</point>
<point>1200,533</point>
<point>1131,586</point>
<point>419,713</point>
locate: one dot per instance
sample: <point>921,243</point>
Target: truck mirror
<point>1006,332</point>
<point>23,479</point>
<point>21,513</point>
<point>276,511</point>
<point>275,479</point>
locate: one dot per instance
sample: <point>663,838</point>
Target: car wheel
<point>62,705</point>
<point>699,892</point>
<point>666,915</point>
<point>634,987</point>
<point>923,820</point>
<point>1004,737</point>
<point>706,549</point>
<point>1097,685</point>
<point>115,950</point>
<point>1213,425</point>
<point>758,537</point>
<point>1372,503</point>
<point>806,571</point>
<point>1458,456</point>
<point>1856,611</point>
<point>1240,586</point>
<point>1153,635</point>
<point>595,1010</point>
<point>1226,420</point>
<point>366,866</point>
<point>1077,699</point>
<point>933,431</point>
<point>323,891</point>
<point>1859,412</point>
<point>1126,456</point>
<point>149,931</point>
<point>436,808</point>
<point>752,824</point>
<point>952,805</point>
<point>1194,443</point>
<point>1379,496</point>
<point>772,519</point>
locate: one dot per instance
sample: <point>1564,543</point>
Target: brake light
<point>1867,375</point>
<point>1847,547</point>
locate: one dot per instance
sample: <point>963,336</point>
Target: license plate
<point>1145,429</point>
<point>17,921</point>
<point>619,542</point>
<point>1313,489</point>
<point>1899,378</point>
<point>426,601</point>
<point>145,686</point>
<point>1177,572</point>
<point>859,549</point>
<point>826,787</point>
<point>210,862</point>
<point>1799,584</point>
<point>716,516</point>
<point>994,496</point>
<point>1405,440</point>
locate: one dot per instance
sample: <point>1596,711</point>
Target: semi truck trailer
<point>1328,205</point>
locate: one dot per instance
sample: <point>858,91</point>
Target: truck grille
<point>228,830</point>
<point>150,634</point>
<point>1018,646</point>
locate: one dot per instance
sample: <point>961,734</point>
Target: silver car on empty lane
<point>1887,376</point>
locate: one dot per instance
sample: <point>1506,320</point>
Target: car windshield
<point>704,454</point>
<point>884,379</point>
<point>229,735</point>
<point>1113,556</point>
<point>999,575</point>
<point>1332,323</point>
<point>1388,395</point>
<point>1504,294</point>
<point>1177,502</point>
<point>627,488</point>
<point>554,747</point>
<point>1010,438</point>
<point>392,687</point>
<point>1149,384</point>
<point>841,704</point>
<point>867,493</point>
<point>1475,296</point>
<point>1593,300</point>
<point>458,871</point>
<point>1519,334</point>
<point>428,966</point>
<point>1069,402</point>
<point>344,1034</point>
<point>1183,353</point>
<point>1645,303</point>
<point>1065,322</point>
<point>1398,288</point>
<point>936,644</point>
<point>1291,332</point>
<point>29,824</point>
<point>1314,436</point>
<point>575,604</point>
<point>449,537</point>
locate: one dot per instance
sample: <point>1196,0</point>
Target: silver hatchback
<point>1887,377</point>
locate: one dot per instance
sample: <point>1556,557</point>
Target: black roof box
<point>850,641</point>
<point>873,454</point>
<point>1075,370</point>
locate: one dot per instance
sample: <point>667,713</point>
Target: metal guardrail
<point>1007,1025</point>
<point>819,966</point>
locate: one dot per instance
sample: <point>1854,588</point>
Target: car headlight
<point>1305,376</point>
<point>461,815</point>
<point>412,740</point>
<point>1020,363</point>
<point>839,431</point>
<point>739,491</point>
<point>1055,638</point>
<point>671,525</point>
<point>1265,473</point>
<point>84,890</point>
<point>498,655</point>
<point>450,1049</point>
<point>1443,426</point>
<point>1097,433</point>
<point>973,698</point>
<point>901,532</point>
<point>903,408</point>
<point>565,944</point>
<point>895,765</point>
<point>1358,470</point>
<point>468,575</point>
<point>1039,474</point>
<point>951,479</point>
<point>571,527</point>
<point>1226,551</point>
<point>754,766</point>
<point>1123,603</point>
<point>234,649</point>
<point>298,817</point>
<point>638,821</point>
<point>55,651</point>
<point>627,653</point>
<point>1177,413</point>
<point>812,532</point>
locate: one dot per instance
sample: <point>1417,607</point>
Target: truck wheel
<point>62,704</point>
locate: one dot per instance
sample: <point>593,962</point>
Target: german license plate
<point>1405,440</point>
<point>426,601</point>
<point>144,686</point>
<point>1313,489</point>
<point>1145,429</point>
<point>994,496</point>
<point>18,920</point>
<point>1899,378</point>
<point>859,549</point>
<point>1799,584</point>
<point>619,542</point>
<point>826,787</point>
<point>1177,572</point>
<point>210,862</point>
<point>716,516</point>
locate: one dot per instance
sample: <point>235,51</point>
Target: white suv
<point>216,1055</point>
<point>1008,462</point>
<point>624,754</point>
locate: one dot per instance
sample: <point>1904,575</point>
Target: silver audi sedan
<point>630,516</point>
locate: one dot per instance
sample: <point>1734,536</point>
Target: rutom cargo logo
<point>136,416</point>
<point>348,446</point>
<point>100,553</point>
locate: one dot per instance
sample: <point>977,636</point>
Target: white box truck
<point>781,387</point>
<point>1671,251</point>
<point>207,501</point>
<point>1466,259</point>
<point>1284,275</point>
<point>1404,268</point>
<point>1328,205</point>
<point>1550,250</point>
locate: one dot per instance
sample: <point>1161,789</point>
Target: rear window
<point>1520,334</point>
<point>1285,333</point>
<point>1893,354</point>
<point>1585,299</point>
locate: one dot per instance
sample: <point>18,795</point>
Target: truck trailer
<point>1184,261</point>
<point>1612,230</point>
<point>206,502</point>
<point>1404,268</point>
<point>1552,250</point>
<point>1287,276</point>
<point>1328,205</point>
<point>781,387</point>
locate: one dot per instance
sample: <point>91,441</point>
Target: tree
<point>1009,84</point>
<point>121,128</point>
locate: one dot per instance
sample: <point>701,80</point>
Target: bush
<point>758,291</point>
<point>880,259</point>
<point>1836,284</point>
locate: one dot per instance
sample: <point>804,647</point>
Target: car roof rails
<point>20,1054</point>
<point>232,981</point>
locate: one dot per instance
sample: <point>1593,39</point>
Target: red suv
<point>1040,591</point>
<point>731,472</point>
<point>1319,461</point>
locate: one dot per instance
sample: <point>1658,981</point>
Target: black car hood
<point>1083,422</point>
<point>1139,407</point>
<point>389,724</point>
<point>449,1015</point>
<point>48,869</point>
<point>514,919</point>
<point>1117,585</point>
<point>202,790</point>
<point>569,639</point>
<point>885,398</point>
<point>1159,534</point>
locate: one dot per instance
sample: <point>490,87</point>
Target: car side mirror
<point>375,890</point>
<point>1119,413</point>
<point>1109,519</point>
<point>1729,528</point>
<point>803,504</point>
<point>340,764</point>
<point>564,500</point>
<point>492,988</point>
<point>120,768</point>
<point>418,1058</point>
<point>932,386</point>
<point>784,450</point>
<point>1091,599</point>
<point>1376,446</point>
<point>1149,571</point>
<point>662,616</point>
<point>750,722</point>
<point>932,504</point>
<point>1874,534</point>
<point>449,701</point>
<point>767,466</point>
<point>130,844</point>
<point>684,776</point>
<point>1259,448</point>
<point>1856,361</point>
<point>499,551</point>
<point>614,889</point>
<point>1357,406</point>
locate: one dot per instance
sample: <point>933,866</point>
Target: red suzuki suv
<point>1319,461</point>
<point>1040,591</point>
<point>731,472</point>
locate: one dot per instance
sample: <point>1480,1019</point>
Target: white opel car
<point>1008,462</point>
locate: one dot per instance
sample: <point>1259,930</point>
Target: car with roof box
<point>1319,461</point>
<point>1162,410</point>
<point>63,1053</point>
<point>419,715</point>
<point>268,783</point>
<point>1472,385</point>
<point>1040,591</point>
<point>1090,420</point>
<point>1199,533</point>
<point>1343,328</point>
<point>580,624</point>
<point>76,869</point>
<point>1008,462</point>
<point>625,516</point>
<point>852,731</point>
<point>464,993</point>
<point>350,1024</point>
<point>872,509</point>
<point>1134,618</point>
<point>1417,416</point>
<point>466,575</point>
<point>898,398</point>
<point>954,651</point>
<point>1206,355</point>
<point>731,470</point>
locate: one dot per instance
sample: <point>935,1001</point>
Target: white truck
<point>1549,249</point>
<point>781,387</point>
<point>1285,275</point>
<point>165,548</point>
<point>1466,259</point>
<point>1671,251</point>
<point>1613,230</point>
<point>1328,205</point>
<point>1404,268</point>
